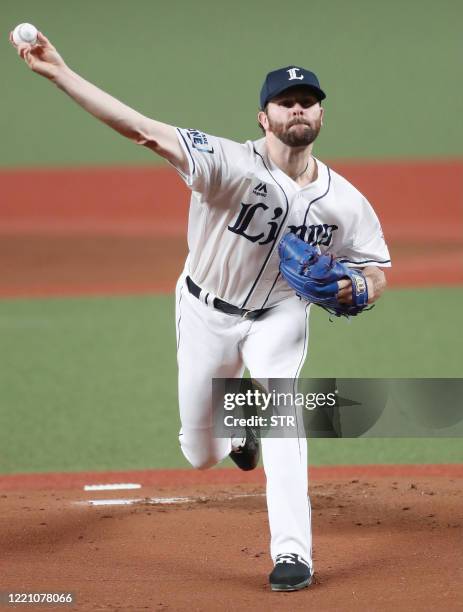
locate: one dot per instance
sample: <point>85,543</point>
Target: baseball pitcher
<point>272,230</point>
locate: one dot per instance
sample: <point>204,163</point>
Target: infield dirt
<point>105,231</point>
<point>383,540</point>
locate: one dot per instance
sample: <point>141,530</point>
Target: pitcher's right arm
<point>160,137</point>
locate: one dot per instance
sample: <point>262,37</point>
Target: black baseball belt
<point>225,306</point>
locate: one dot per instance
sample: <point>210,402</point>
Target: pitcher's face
<point>294,116</point>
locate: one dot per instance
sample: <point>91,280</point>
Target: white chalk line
<point>112,487</point>
<point>162,500</point>
<point>131,501</point>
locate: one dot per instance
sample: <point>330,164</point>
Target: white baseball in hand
<point>25,33</point>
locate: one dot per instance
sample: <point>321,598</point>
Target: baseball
<point>25,33</point>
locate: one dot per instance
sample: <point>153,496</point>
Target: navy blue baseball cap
<point>284,78</point>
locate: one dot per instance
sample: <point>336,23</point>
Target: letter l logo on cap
<point>293,74</point>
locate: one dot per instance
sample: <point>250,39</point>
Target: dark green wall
<point>391,69</point>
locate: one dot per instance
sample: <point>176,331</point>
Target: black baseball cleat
<point>291,573</point>
<point>246,457</point>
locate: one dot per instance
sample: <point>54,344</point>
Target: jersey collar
<point>290,186</point>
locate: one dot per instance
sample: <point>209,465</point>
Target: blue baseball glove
<point>315,277</point>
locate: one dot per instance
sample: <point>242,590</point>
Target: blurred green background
<point>390,70</point>
<point>90,383</point>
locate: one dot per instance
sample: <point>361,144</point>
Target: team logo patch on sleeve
<point>199,141</point>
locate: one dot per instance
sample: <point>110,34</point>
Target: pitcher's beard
<point>300,137</point>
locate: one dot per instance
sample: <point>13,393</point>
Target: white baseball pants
<point>212,344</point>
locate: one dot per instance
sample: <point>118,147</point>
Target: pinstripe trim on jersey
<point>305,222</point>
<point>319,197</point>
<point>364,261</point>
<point>188,150</point>
<point>271,289</point>
<point>276,236</point>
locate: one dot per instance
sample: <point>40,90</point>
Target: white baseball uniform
<point>241,206</point>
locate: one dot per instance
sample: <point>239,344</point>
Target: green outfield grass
<point>90,383</point>
<point>388,69</point>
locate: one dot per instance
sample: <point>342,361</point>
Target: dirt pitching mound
<point>380,543</point>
